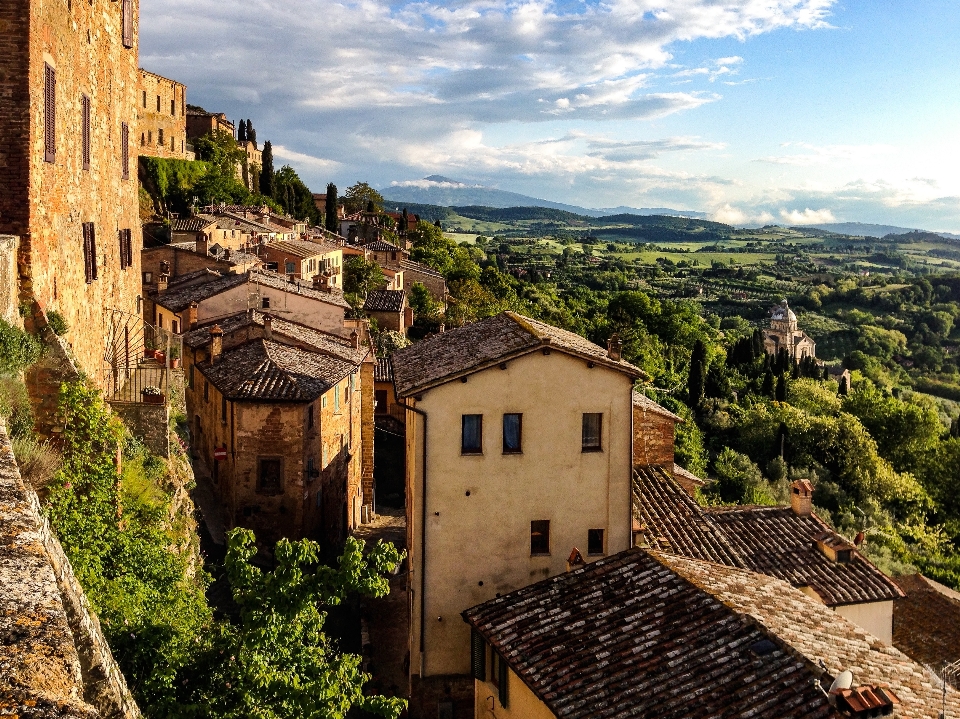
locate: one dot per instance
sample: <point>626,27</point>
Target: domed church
<point>783,334</point>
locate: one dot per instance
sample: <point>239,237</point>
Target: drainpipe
<point>423,537</point>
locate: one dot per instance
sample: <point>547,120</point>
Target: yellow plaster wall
<point>874,617</point>
<point>521,702</point>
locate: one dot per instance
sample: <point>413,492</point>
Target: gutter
<point>423,536</point>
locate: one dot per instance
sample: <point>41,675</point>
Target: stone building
<point>303,260</point>
<point>654,431</point>
<point>163,117</point>
<point>253,163</point>
<point>417,273</point>
<point>519,450</point>
<point>784,334</point>
<point>200,123</point>
<point>68,163</point>
<point>389,308</point>
<point>278,419</point>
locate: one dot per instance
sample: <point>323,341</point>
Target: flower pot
<point>174,362</point>
<point>160,357</point>
<point>151,398</point>
<point>149,353</point>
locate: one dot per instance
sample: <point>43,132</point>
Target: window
<point>173,144</point>
<point>291,267</point>
<point>149,137</point>
<point>223,409</point>
<point>206,391</point>
<point>173,107</point>
<point>125,150</point>
<point>592,425</point>
<point>478,656</point>
<point>175,326</point>
<point>512,433</point>
<point>540,536</point>
<point>269,478</point>
<point>595,541</point>
<point>49,114</point>
<point>147,278</point>
<point>158,103</point>
<point>126,249</point>
<point>85,131</point>
<point>190,379</point>
<point>381,397</point>
<point>127,23</point>
<point>471,438</point>
<point>89,252</point>
<point>310,417</point>
<point>160,137</point>
<point>144,98</point>
<point>265,303</point>
<point>336,399</point>
<point>498,675</point>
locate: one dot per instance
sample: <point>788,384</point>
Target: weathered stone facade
<point>46,203</point>
<point>653,434</point>
<point>148,422</point>
<point>163,117</point>
<point>9,245</point>
<point>54,659</point>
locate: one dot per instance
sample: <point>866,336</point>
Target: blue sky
<point>751,110</point>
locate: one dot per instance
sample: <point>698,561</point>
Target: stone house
<point>177,263</point>
<point>784,334</point>
<point>414,273</point>
<point>68,165</point>
<point>651,634</point>
<point>789,543</point>
<point>520,437</point>
<point>280,427</point>
<point>180,304</point>
<point>253,162</point>
<point>303,260</point>
<point>200,123</point>
<point>163,117</point>
<point>389,308</point>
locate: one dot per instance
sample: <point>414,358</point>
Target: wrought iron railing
<point>140,360</point>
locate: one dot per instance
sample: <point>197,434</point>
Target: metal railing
<point>139,360</point>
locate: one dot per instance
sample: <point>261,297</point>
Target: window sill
<point>539,554</point>
<point>591,450</point>
<point>513,451</point>
<point>471,454</point>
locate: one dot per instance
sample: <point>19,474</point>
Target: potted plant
<point>149,350</point>
<point>151,395</point>
<point>174,357</point>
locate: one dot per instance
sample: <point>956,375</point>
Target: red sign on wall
<point>220,453</point>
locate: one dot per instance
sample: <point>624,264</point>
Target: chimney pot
<point>615,348</point>
<point>355,340</point>
<point>801,497</point>
<point>216,343</point>
<point>267,327</point>
<point>192,315</point>
<point>575,560</point>
<point>163,282</point>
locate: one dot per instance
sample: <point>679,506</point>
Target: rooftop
<point>926,623</point>
<point>382,371</point>
<point>385,301</point>
<point>772,540</point>
<point>299,248</point>
<point>482,344</point>
<point>381,246</point>
<point>266,370</point>
<point>645,633</point>
<point>648,405</point>
<point>419,267</point>
<point>193,224</point>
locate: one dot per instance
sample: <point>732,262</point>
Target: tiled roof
<point>648,405</point>
<point>385,301</point>
<point>298,248</point>
<point>177,299</point>
<point>646,634</point>
<point>771,540</point>
<point>192,224</point>
<point>926,624</point>
<point>668,519</point>
<point>448,355</point>
<point>321,341</point>
<point>419,267</point>
<point>779,542</point>
<point>278,282</point>
<point>382,371</point>
<point>381,246</point>
<point>679,471</point>
<point>264,370</point>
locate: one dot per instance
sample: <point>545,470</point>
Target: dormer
<point>834,547</point>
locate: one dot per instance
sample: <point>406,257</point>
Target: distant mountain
<point>447,192</point>
<point>867,230</point>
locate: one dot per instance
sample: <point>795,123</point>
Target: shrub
<point>38,461</point>
<point>57,323</point>
<point>18,349</point>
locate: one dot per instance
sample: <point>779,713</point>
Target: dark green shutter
<point>478,656</point>
<point>502,667</point>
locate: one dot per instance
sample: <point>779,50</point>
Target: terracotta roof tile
<point>926,624</point>
<point>445,356</point>
<point>381,246</point>
<point>385,301</point>
<point>648,405</point>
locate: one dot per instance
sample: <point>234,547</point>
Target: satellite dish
<point>844,680</point>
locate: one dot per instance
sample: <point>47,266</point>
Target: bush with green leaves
<point>58,323</point>
<point>18,349</point>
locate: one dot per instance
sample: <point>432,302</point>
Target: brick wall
<point>158,117</point>
<point>652,439</point>
<point>14,119</point>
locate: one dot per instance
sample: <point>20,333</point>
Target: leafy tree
<point>359,196</point>
<point>266,171</point>
<point>423,304</point>
<point>330,219</point>
<point>739,480</point>
<point>295,196</point>
<point>698,375</point>
<point>276,661</point>
<point>360,276</point>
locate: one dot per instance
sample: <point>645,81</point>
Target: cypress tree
<point>844,387</point>
<point>795,371</point>
<point>266,172</point>
<point>758,349</point>
<point>404,221</point>
<point>242,132</point>
<point>781,389</point>
<point>698,374</point>
<point>438,225</point>
<point>330,220</point>
<point>766,389</point>
<point>251,133</point>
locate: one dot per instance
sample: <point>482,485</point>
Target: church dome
<point>783,313</point>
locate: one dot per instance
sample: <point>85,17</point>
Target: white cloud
<point>302,159</point>
<point>807,216</point>
<point>738,217</point>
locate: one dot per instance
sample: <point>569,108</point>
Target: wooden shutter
<point>85,130</point>
<point>126,251</point>
<point>478,656</point>
<point>502,681</point>
<point>89,252</point>
<point>125,150</point>
<point>128,246</point>
<point>127,23</point>
<point>49,113</point>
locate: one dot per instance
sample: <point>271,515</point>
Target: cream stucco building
<point>519,452</point>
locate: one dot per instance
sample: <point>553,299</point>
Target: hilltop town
<point>272,452</point>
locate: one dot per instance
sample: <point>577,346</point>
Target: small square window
<point>471,438</point>
<point>269,478</point>
<point>595,541</point>
<point>540,536</point>
<point>592,426</point>
<point>512,433</point>
<point>265,303</point>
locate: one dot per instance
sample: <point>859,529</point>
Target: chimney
<point>267,327</point>
<point>575,560</point>
<point>226,254</point>
<point>192,315</point>
<point>216,343</point>
<point>615,348</point>
<point>355,340</point>
<point>163,282</point>
<point>801,497</point>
